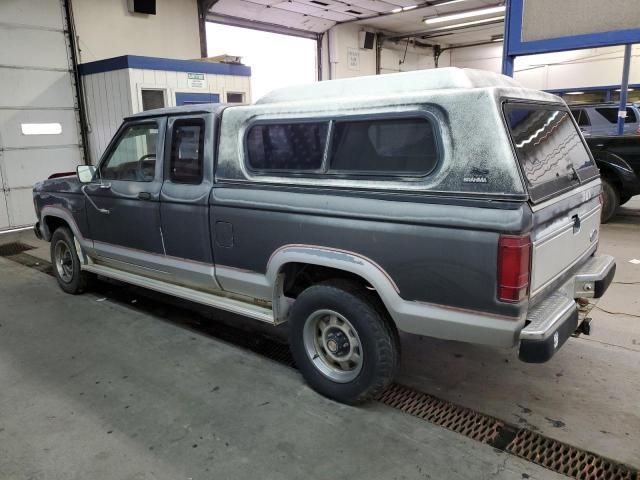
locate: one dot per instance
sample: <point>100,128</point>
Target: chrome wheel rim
<point>333,345</point>
<point>64,261</point>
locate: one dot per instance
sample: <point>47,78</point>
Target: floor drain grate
<point>566,459</point>
<point>14,248</point>
<point>459,419</point>
<point>534,447</point>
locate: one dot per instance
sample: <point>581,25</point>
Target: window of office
<point>394,146</point>
<point>291,147</point>
<point>187,152</point>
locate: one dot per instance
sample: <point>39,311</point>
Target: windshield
<point>549,148</point>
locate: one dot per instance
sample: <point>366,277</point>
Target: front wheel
<point>65,262</point>
<point>610,200</point>
<point>342,342</point>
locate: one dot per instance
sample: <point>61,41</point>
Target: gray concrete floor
<point>90,388</point>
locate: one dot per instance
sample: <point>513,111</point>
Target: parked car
<point>449,203</point>
<point>618,158</point>
<point>602,119</point>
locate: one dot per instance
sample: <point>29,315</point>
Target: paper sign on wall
<point>353,59</point>
<point>196,80</point>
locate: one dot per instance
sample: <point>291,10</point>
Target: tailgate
<point>565,232</point>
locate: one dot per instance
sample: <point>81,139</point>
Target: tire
<point>66,264</point>
<point>610,200</point>
<point>624,199</point>
<point>353,329</point>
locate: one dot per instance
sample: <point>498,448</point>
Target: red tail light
<point>514,259</point>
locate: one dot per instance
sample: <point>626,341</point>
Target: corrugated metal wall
<point>37,88</point>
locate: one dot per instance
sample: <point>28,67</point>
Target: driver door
<point>124,211</point>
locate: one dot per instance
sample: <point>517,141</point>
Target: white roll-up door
<point>39,128</point>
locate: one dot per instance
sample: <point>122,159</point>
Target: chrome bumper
<point>550,323</point>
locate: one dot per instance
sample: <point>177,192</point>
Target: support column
<point>624,88</point>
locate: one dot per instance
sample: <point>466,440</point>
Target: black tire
<point>624,199</point>
<point>610,200</point>
<point>70,277</point>
<point>377,337</point>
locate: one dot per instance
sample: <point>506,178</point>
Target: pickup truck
<point>449,203</point>
<point>618,158</point>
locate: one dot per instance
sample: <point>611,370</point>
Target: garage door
<point>39,131</point>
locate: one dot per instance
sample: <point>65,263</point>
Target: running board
<point>217,301</point>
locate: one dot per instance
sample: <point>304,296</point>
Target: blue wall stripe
<point>153,63</point>
<point>590,89</point>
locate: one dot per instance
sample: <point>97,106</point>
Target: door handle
<point>144,196</point>
<point>105,186</point>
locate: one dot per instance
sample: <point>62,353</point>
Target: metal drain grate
<point>14,248</point>
<point>459,419</point>
<point>566,459</point>
<point>536,448</point>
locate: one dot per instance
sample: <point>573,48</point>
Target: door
<point>184,200</point>
<point>124,209</point>
<point>39,129</point>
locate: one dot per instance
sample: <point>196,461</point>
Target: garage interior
<point>123,382</point>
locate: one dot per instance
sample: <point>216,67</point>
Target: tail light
<point>514,260</point>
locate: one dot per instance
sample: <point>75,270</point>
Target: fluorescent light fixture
<point>450,2</point>
<point>628,90</point>
<point>459,16</point>
<point>41,128</point>
<point>497,38</point>
<point>574,93</point>
<point>467,24</point>
<point>403,9</point>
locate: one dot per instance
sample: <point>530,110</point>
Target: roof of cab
<point>194,108</point>
<point>389,84</point>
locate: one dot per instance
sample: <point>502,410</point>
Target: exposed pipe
<point>331,47</point>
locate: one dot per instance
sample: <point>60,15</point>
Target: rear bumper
<point>550,323</point>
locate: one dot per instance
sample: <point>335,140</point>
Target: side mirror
<point>85,173</point>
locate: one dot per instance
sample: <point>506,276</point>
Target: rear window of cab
<point>398,146</point>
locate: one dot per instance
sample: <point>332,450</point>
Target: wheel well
<point>53,223</point>
<point>607,173</point>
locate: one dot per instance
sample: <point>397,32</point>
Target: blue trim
<point>183,98</point>
<point>515,46</point>
<point>167,64</point>
<point>507,60</point>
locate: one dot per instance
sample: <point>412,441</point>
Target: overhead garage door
<point>39,130</point>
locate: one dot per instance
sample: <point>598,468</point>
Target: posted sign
<point>196,80</point>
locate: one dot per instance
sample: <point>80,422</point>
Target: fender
<point>412,317</point>
<point>619,168</point>
<point>64,214</point>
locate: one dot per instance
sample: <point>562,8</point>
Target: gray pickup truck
<point>449,203</point>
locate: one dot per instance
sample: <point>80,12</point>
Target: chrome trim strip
<point>587,186</point>
<point>217,301</point>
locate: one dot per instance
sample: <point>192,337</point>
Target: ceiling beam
<point>263,26</point>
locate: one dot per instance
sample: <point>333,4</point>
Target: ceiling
<point>316,16</point>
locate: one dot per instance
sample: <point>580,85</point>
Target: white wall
<point>563,70</point>
<point>343,41</point>
<point>106,29</point>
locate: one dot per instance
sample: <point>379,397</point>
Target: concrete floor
<point>92,388</point>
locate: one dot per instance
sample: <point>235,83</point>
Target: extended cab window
<point>134,156</point>
<point>287,146</point>
<point>549,148</point>
<point>399,146</point>
<point>187,151</point>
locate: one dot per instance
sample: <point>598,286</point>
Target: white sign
<point>353,59</point>
<point>196,80</point>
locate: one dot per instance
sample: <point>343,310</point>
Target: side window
<point>402,146</point>
<point>631,116</point>
<point>289,147</point>
<point>134,156</point>
<point>581,117</point>
<point>609,113</point>
<point>187,151</point>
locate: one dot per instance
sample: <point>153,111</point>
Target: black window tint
<point>291,146</point>
<point>187,151</point>
<point>581,117</point>
<point>631,116</point>
<point>549,149</point>
<point>404,146</point>
<point>134,157</point>
<point>611,114</point>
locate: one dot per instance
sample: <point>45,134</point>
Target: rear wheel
<point>66,263</point>
<point>610,200</point>
<point>342,342</point>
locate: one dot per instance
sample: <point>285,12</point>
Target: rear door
<point>563,186</point>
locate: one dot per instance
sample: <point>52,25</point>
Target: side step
<point>217,301</point>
